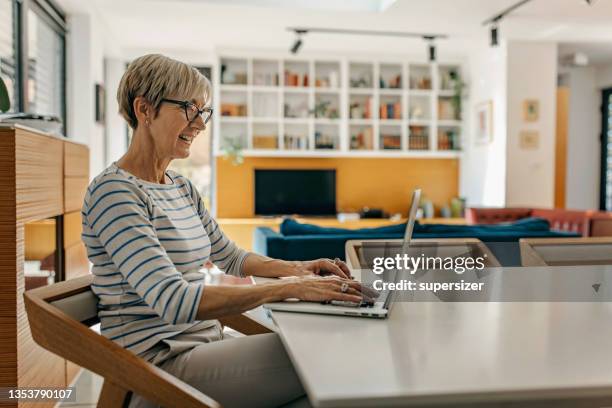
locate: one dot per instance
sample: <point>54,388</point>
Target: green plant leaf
<point>5,102</point>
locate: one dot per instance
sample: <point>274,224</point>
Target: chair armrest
<point>266,241</point>
<point>57,332</point>
<point>565,220</point>
<point>244,324</point>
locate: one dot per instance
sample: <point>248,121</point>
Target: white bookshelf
<point>366,108</point>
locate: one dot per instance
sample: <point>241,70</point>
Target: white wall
<point>603,76</point>
<point>116,128</point>
<point>78,67</point>
<point>87,45</point>
<point>483,167</point>
<point>501,173</point>
<point>531,74</point>
<point>84,71</point>
<point>583,146</point>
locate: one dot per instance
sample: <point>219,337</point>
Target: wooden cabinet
<point>41,177</point>
<point>76,175</point>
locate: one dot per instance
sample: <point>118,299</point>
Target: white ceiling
<point>208,25</point>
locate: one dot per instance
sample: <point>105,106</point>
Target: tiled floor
<point>87,387</point>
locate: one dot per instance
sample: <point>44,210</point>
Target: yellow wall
<point>374,182</point>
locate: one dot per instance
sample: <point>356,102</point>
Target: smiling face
<point>172,133</point>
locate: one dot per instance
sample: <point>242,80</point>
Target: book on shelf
<point>391,141</point>
<point>397,110</point>
<point>265,142</point>
<point>391,110</point>
<point>296,142</point>
<point>233,109</point>
<point>418,138</point>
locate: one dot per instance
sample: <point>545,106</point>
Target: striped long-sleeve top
<point>147,242</point>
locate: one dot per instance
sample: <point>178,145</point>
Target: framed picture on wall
<point>531,110</point>
<point>100,103</point>
<point>529,140</point>
<point>484,123</point>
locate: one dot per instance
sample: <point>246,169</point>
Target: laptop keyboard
<point>381,297</point>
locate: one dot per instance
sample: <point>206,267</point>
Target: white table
<point>450,353</point>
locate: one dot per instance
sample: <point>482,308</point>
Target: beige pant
<point>252,371</point>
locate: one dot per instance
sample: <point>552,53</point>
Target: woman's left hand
<point>323,267</point>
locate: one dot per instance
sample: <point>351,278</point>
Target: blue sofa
<point>297,241</point>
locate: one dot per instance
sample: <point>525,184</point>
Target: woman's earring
<point>147,122</point>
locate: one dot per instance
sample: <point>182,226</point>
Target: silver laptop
<point>381,307</point>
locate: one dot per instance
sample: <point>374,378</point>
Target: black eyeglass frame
<point>186,104</point>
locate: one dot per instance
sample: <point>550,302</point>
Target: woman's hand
<point>221,301</point>
<point>323,289</point>
<point>323,267</point>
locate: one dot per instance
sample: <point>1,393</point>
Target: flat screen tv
<point>300,192</point>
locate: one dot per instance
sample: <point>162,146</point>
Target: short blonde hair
<point>155,77</point>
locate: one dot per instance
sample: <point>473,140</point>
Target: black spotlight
<point>296,45</point>
<point>432,52</point>
<point>494,36</point>
<point>298,41</point>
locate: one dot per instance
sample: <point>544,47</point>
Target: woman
<point>148,233</point>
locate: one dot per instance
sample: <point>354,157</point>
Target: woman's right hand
<point>323,289</point>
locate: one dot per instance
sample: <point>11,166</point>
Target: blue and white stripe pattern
<point>147,242</point>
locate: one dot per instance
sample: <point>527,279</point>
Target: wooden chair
<point>440,246</point>
<point>60,317</point>
<point>566,251</point>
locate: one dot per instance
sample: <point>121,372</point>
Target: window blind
<point>8,55</point>
<point>45,67</point>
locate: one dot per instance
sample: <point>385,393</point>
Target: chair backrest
<point>59,316</point>
<point>476,215</point>
<point>566,251</point>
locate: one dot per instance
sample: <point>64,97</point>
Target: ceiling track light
<point>427,37</point>
<point>494,35</point>
<point>494,21</point>
<point>431,48</point>
<point>298,41</point>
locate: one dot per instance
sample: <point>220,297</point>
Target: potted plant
<point>5,102</point>
<point>232,150</point>
<point>458,87</point>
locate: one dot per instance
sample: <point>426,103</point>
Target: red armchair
<point>587,223</point>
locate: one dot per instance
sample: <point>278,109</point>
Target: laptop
<point>381,307</point>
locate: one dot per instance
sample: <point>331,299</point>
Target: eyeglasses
<point>192,111</point>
